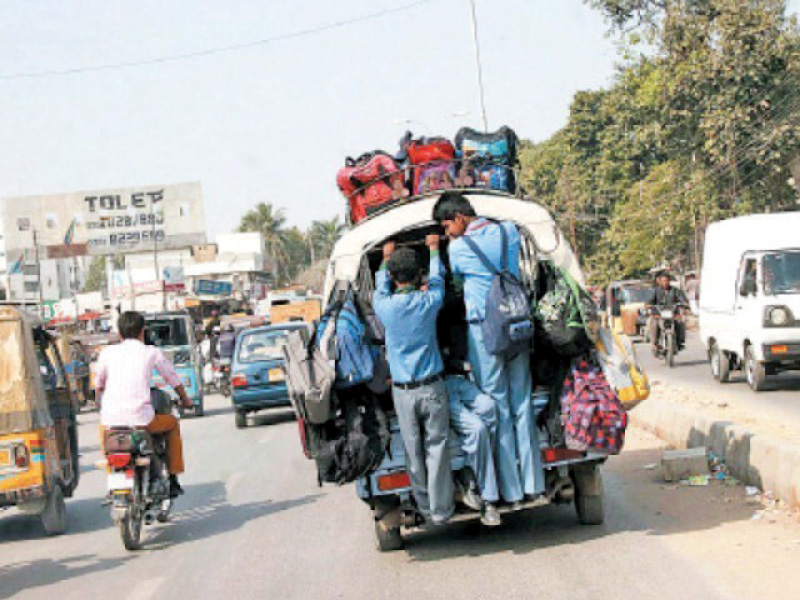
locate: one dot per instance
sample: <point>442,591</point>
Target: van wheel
<point>241,419</point>
<point>589,495</point>
<point>389,539</point>
<point>54,516</point>
<point>720,363</point>
<point>755,370</point>
<point>199,409</point>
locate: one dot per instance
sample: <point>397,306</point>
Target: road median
<point>755,458</point>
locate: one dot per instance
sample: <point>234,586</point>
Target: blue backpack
<point>355,354</point>
<point>507,327</point>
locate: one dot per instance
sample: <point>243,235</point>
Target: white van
<point>750,296</point>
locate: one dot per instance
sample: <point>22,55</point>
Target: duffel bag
<point>370,182</point>
<point>594,418</point>
<point>426,150</point>
<point>433,177</point>
<point>499,146</point>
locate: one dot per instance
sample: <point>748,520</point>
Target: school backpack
<point>434,177</point>
<point>491,176</point>
<point>352,444</point>
<point>370,182</point>
<point>564,311</point>
<point>310,373</point>
<point>593,416</point>
<point>507,326</point>
<point>499,146</point>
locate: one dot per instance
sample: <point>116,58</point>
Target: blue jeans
<point>508,382</point>
<point>473,418</point>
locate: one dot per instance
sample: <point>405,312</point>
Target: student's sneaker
<point>489,515</point>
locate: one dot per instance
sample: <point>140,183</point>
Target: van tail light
<point>551,455</point>
<point>22,458</point>
<point>119,460</point>
<point>394,481</point>
<point>239,380</point>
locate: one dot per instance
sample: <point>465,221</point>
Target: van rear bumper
<point>782,355</point>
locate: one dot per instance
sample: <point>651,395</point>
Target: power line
<point>211,51</point>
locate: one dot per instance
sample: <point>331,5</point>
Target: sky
<point>272,121</point>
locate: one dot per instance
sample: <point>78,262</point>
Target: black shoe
<point>175,488</point>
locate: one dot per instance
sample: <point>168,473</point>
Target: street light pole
<point>38,273</point>
<point>478,66</point>
<point>155,256</point>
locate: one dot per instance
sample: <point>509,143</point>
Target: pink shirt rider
<point>125,373</point>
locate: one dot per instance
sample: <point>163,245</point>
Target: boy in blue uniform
<point>507,381</point>
<point>420,398</point>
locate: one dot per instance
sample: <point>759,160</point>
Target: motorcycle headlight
<point>778,316</point>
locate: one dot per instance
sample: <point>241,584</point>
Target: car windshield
<point>633,295</point>
<point>167,332</point>
<point>262,345</point>
<point>782,272</point>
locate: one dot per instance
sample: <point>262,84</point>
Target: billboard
<point>106,222</point>
<point>210,287</point>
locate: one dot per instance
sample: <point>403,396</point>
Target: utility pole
<point>155,257</point>
<point>38,272</point>
<point>478,66</point>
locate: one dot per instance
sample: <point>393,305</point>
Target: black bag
<point>352,445</point>
<point>499,147</point>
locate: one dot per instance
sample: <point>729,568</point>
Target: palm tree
<point>323,235</point>
<point>270,221</point>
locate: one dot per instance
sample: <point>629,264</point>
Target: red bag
<point>430,149</point>
<point>370,182</point>
<point>593,415</point>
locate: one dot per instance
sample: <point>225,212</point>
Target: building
<point>240,259</point>
<point>150,227</point>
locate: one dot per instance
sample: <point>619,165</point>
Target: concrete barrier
<point>771,464</point>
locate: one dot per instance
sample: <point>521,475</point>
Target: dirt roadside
<point>744,541</point>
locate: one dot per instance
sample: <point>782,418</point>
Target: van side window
<point>747,278</point>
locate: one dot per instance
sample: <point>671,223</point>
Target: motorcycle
<point>666,343</point>
<point>138,479</point>
<point>222,375</point>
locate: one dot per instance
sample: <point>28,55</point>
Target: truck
<point>749,306</point>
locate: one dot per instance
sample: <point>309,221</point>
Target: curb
<point>770,464</point>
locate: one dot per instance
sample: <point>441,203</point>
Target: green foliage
<point>701,128</point>
<point>96,277</point>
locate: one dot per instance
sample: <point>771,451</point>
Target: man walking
<point>420,399</point>
<point>507,381</point>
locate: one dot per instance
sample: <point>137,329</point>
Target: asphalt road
<point>254,524</point>
<point>780,401</point>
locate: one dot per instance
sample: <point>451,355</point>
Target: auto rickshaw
<point>38,428</point>
<point>625,301</point>
<point>173,333</point>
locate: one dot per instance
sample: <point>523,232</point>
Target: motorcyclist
<point>124,376</point>
<point>667,297</point>
<point>227,341</point>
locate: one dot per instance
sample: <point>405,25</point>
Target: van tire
<point>240,419</point>
<point>589,494</point>
<point>755,370</point>
<point>720,363</point>
<point>54,516</point>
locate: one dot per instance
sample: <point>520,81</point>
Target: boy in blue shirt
<point>507,381</point>
<point>420,398</point>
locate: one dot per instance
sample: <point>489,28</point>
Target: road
<point>779,402</point>
<point>254,524</point>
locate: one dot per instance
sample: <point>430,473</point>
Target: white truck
<point>750,296</point>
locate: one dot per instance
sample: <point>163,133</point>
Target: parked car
<point>257,379</point>
<point>750,296</point>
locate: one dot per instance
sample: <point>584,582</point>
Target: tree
<point>323,235</point>
<point>298,255</point>
<point>96,277</point>
<point>270,222</point>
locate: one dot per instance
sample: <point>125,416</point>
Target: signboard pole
<point>38,273</point>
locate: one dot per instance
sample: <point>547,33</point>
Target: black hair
<point>130,324</point>
<point>451,203</point>
<point>404,265</point>
<point>663,273</point>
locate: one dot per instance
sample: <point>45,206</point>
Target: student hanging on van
<point>420,398</point>
<point>507,381</point>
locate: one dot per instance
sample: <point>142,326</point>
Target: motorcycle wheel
<point>130,529</point>
<point>670,347</point>
<point>225,388</point>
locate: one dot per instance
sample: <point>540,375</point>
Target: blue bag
<point>507,327</point>
<point>355,354</point>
